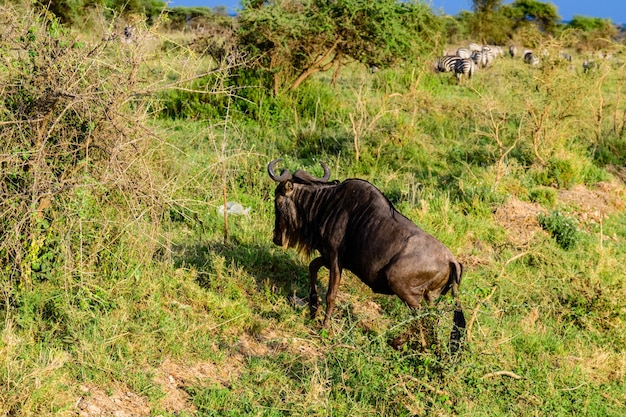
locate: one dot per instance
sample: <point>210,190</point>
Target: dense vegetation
<point>125,290</point>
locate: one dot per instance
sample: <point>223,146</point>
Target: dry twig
<point>501,373</point>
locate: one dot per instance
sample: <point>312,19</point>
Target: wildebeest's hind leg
<point>314,268</point>
<point>419,301</point>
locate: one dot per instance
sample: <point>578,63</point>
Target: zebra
<point>490,53</point>
<point>483,58</point>
<point>446,63</point>
<point>589,65</point>
<point>474,47</point>
<point>464,66</point>
<point>463,53</point>
<point>496,49</point>
<point>530,58</point>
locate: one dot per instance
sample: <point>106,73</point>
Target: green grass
<point>124,299</point>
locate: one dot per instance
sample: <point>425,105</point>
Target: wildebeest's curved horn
<point>285,175</point>
<point>326,176</point>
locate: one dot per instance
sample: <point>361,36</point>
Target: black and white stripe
<point>483,58</point>
<point>530,58</point>
<point>446,63</point>
<point>464,67</point>
<point>464,52</point>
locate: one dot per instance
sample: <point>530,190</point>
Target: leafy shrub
<point>591,174</point>
<point>543,195</point>
<point>556,173</point>
<point>561,228</point>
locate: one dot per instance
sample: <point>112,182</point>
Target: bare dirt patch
<point>519,218</point>
<point>172,377</point>
<point>118,403</point>
<point>593,205</point>
<point>590,205</point>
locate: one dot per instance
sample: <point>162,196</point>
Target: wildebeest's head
<point>288,220</point>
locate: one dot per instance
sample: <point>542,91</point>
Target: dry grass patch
<point>593,205</point>
<point>519,218</point>
<point>96,402</point>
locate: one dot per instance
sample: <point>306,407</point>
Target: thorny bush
<point>73,147</point>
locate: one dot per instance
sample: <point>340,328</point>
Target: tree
<point>587,24</point>
<point>70,12</point>
<point>294,39</point>
<point>486,6</point>
<point>595,33</point>
<point>544,15</point>
<point>488,24</point>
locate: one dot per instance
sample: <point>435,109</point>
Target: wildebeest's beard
<point>287,223</point>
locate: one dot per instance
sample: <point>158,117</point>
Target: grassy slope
<point>212,327</point>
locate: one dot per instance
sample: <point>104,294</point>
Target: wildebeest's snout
<point>278,238</point>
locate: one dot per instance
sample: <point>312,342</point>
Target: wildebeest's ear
<point>288,188</point>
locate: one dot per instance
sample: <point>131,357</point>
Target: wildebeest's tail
<point>456,272</point>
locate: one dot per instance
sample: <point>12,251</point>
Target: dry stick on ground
<point>495,134</point>
<point>616,129</point>
<point>501,373</point>
<point>540,121</point>
<point>501,152</point>
<point>362,122</point>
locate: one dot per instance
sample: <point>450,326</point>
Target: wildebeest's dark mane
<point>300,237</point>
<point>312,200</point>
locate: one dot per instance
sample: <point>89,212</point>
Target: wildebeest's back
<point>372,237</point>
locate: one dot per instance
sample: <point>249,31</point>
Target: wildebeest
<point>354,226</point>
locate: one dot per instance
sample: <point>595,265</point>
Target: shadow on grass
<point>284,272</point>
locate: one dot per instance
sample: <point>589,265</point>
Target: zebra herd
<point>465,61</point>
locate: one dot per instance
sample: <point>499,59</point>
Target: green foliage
<point>486,6</point>
<point>148,8</point>
<point>495,23</point>
<point>293,40</point>
<point>544,15</point>
<point>562,228</point>
<point>545,196</point>
<point>66,147</point>
<point>588,24</point>
<point>558,173</point>
<point>488,23</point>
<point>596,32</point>
<point>74,12</point>
<point>211,20</point>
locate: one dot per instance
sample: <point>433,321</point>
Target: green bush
<point>543,195</point>
<point>561,228</point>
<point>557,172</point>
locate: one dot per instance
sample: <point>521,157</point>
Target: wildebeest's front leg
<point>314,268</point>
<point>333,286</point>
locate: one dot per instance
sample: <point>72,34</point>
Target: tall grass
<point>120,276</point>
